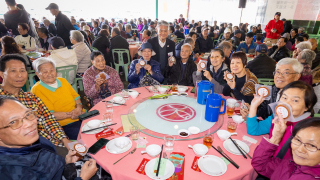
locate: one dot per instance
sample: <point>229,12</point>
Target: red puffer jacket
<point>274,25</point>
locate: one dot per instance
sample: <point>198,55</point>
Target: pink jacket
<point>276,169</point>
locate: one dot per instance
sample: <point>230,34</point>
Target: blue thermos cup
<point>213,107</point>
<point>204,88</point>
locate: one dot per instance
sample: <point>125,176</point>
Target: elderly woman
<point>59,96</point>
<point>140,25</point>
<point>181,71</point>
<point>300,47</point>
<point>242,85</point>
<point>9,46</point>
<point>44,35</point>
<point>82,51</point>
<point>214,73</point>
<point>24,40</point>
<point>304,159</point>
<point>151,67</point>
<point>97,88</point>
<point>306,57</point>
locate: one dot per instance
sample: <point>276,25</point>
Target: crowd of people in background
<point>168,54</point>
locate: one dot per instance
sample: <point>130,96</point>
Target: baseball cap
<point>278,13</point>
<point>283,19</point>
<point>52,6</point>
<point>151,23</point>
<point>56,42</point>
<point>262,48</point>
<point>237,31</point>
<point>204,28</point>
<point>227,30</point>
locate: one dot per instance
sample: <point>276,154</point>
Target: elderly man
<point>181,71</point>
<point>287,70</point>
<point>178,33</point>
<point>51,27</point>
<point>62,23</point>
<point>26,155</point>
<point>262,65</point>
<point>118,42</point>
<point>12,83</point>
<point>152,29</point>
<point>226,47</point>
<point>248,46</point>
<point>236,38</point>
<point>274,28</point>
<point>280,50</point>
<point>190,41</point>
<point>128,31</point>
<point>162,45</point>
<point>205,43</point>
<point>226,36</point>
<point>316,61</point>
<point>15,16</point>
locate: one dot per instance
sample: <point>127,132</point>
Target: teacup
<point>238,119</point>
<point>94,123</point>
<point>162,90</point>
<point>224,135</point>
<point>152,150</point>
<point>134,94</point>
<point>118,99</point>
<point>200,149</point>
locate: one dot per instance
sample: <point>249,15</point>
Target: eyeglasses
<point>17,123</point>
<point>309,147</point>
<point>284,74</point>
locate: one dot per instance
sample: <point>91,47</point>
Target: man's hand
<point>245,111</point>
<point>88,169</point>
<point>170,63</point>
<point>256,101</point>
<point>71,157</point>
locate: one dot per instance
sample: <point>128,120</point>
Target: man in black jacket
<point>262,65</point>
<point>287,26</point>
<point>280,50</point>
<point>15,16</point>
<point>51,27</point>
<point>162,46</point>
<point>62,23</point>
<point>178,33</point>
<point>205,43</point>
<point>236,38</point>
<point>118,42</point>
<point>181,71</point>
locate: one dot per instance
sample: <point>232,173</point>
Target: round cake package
<point>103,75</point>
<point>283,109</point>
<point>80,148</point>
<point>263,90</point>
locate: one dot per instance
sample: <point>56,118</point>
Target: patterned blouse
<point>115,84</point>
<point>48,126</point>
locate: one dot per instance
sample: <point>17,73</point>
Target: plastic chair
<point>30,81</point>
<point>120,53</point>
<point>64,72</point>
<point>179,40</point>
<point>266,81</point>
<point>316,115</point>
<point>214,42</point>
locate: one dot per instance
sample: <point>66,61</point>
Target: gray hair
<point>46,21</point>
<point>304,45</point>
<point>187,44</point>
<point>128,26</point>
<point>225,44</point>
<point>301,29</point>
<point>37,63</point>
<point>188,40</point>
<point>308,55</point>
<point>76,35</point>
<point>296,65</point>
<point>163,23</point>
<point>286,35</point>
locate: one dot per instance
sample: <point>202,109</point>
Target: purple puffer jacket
<point>139,27</point>
<point>276,169</point>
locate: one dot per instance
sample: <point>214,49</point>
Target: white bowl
<point>238,119</point>
<point>224,135</point>
<point>182,88</point>
<point>134,94</point>
<point>231,102</point>
<point>162,90</point>
<point>94,123</point>
<point>118,99</point>
<point>184,130</point>
<point>152,150</point>
<point>200,149</point>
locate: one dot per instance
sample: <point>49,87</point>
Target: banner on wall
<point>307,10</point>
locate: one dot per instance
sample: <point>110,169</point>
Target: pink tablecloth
<point>126,168</point>
<point>133,50</point>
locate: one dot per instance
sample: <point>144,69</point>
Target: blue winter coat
<point>134,78</point>
<point>243,47</point>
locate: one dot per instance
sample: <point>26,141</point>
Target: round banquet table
<point>133,50</point>
<point>126,168</point>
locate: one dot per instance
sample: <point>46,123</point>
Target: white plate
<point>167,173</point>
<point>212,165</point>
<point>113,149</point>
<point>193,130</point>
<point>231,148</point>
<point>122,102</point>
<point>86,127</point>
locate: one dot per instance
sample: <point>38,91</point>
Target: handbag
<point>147,80</point>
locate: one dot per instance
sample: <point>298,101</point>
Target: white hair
<point>308,55</point>
<point>187,44</point>
<point>163,23</point>
<point>76,35</point>
<point>37,63</point>
<point>304,45</point>
<point>301,29</point>
<point>296,65</point>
